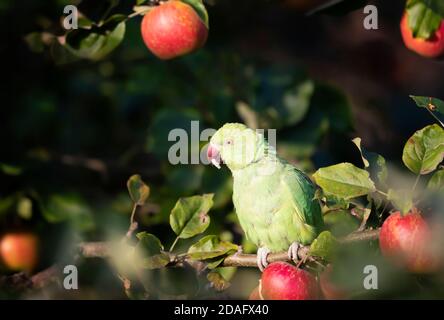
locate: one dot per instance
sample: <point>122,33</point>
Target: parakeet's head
<point>236,145</point>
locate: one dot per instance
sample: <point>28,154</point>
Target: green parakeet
<point>273,200</point>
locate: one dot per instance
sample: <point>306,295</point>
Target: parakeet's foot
<point>262,254</point>
<point>293,251</point>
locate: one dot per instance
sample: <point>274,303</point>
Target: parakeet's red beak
<point>213,155</point>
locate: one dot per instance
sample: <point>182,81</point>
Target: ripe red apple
<point>407,240</point>
<point>19,251</point>
<point>173,29</point>
<point>330,290</point>
<point>283,281</point>
<point>431,48</point>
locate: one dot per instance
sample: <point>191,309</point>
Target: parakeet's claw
<point>293,251</point>
<point>262,254</point>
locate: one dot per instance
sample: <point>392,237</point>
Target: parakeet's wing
<point>301,192</point>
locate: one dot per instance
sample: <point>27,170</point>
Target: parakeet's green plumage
<point>273,200</point>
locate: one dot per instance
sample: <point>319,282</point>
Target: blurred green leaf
<point>324,246</point>
<point>68,207</point>
<point>6,204</point>
<point>340,222</point>
<point>432,104</point>
<point>423,19</point>
<point>210,247</point>
<point>189,216</point>
<point>97,42</point>
<point>10,170</point>
<point>162,126</point>
<point>199,7</point>
<point>424,151</point>
<point>296,102</point>
<point>401,200</point>
<point>374,162</point>
<point>137,189</point>
<point>344,180</point>
<point>436,182</point>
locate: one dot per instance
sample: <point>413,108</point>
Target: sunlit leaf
<point>344,180</point>
<point>189,216</point>
<point>324,246</point>
<point>401,199</point>
<point>137,189</point>
<point>424,151</point>
<point>97,42</point>
<point>210,247</point>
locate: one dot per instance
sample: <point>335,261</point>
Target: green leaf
<point>210,247</point>
<point>200,9</point>
<point>423,17</point>
<point>296,102</point>
<point>424,151</point>
<point>10,170</point>
<point>401,200</point>
<point>432,104</point>
<point>217,281</point>
<point>151,249</point>
<point>374,162</point>
<point>324,246</point>
<point>150,244</point>
<point>341,222</point>
<point>137,189</point>
<point>96,42</point>
<point>189,216</point>
<point>68,207</point>
<point>436,183</point>
<point>344,180</point>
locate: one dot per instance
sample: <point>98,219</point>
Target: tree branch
<point>101,249</point>
<point>21,281</point>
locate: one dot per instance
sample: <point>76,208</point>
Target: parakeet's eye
<point>229,142</point>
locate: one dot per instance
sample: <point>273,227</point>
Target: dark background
<point>78,130</point>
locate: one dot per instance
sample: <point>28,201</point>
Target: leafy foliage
<point>424,17</point>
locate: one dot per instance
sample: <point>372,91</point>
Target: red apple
<point>431,48</point>
<point>407,240</point>
<point>18,251</point>
<point>330,290</point>
<point>173,29</point>
<point>283,281</point>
